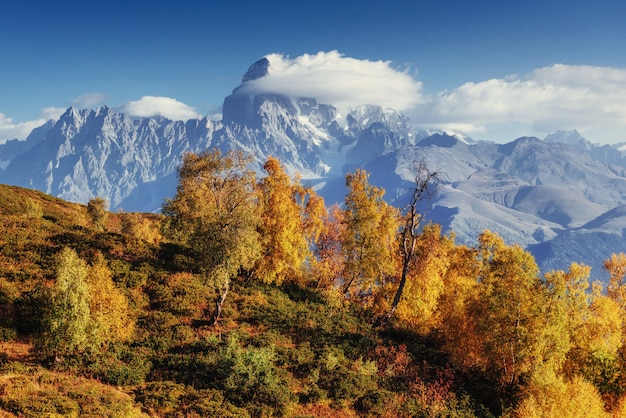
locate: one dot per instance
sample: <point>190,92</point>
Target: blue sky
<point>493,69</point>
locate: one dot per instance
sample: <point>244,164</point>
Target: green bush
<point>182,294</point>
<point>30,309</point>
<point>161,397</point>
<point>7,334</point>
<point>252,379</point>
<point>121,365</point>
<point>344,379</point>
<point>375,403</point>
<point>211,403</point>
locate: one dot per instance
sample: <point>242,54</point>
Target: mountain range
<point>562,197</point>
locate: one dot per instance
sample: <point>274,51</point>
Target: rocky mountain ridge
<point>554,196</point>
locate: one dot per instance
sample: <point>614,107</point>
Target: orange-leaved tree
<point>506,325</point>
<point>328,262</point>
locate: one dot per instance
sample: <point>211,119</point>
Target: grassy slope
<point>278,350</point>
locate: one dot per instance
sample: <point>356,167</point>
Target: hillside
<point>280,351</point>
<point>296,348</point>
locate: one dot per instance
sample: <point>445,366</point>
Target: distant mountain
<point>556,196</point>
<point>569,138</point>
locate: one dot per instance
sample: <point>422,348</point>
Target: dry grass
<point>16,351</point>
<point>34,391</point>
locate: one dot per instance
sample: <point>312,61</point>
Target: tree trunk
<point>219,303</point>
<point>412,220</point>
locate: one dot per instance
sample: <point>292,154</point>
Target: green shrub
<point>211,403</point>
<point>252,379</point>
<point>375,403</point>
<point>7,334</point>
<point>182,294</point>
<point>30,309</point>
<point>161,398</point>
<point>344,379</point>
<point>35,392</point>
<point>121,365</point>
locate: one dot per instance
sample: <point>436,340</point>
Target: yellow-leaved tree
<point>414,249</point>
<point>97,211</point>
<point>505,332</point>
<point>592,324</point>
<point>425,278</point>
<point>68,319</point>
<point>111,319</point>
<point>215,212</point>
<point>369,240</point>
<point>328,262</point>
<point>291,217</point>
<point>574,398</point>
<point>87,310</point>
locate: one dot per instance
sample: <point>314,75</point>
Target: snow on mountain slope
<point>550,202</point>
<point>468,216</point>
<point>100,152</point>
<point>555,196</point>
<point>613,221</point>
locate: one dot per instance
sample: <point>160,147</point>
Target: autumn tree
<point>290,221</point>
<point>369,241</point>
<point>424,279</point>
<point>503,331</point>
<point>110,316</point>
<point>328,261</point>
<point>87,310</point>
<point>410,223</point>
<point>215,213</point>
<point>97,211</point>
<point>575,398</point>
<point>510,312</point>
<point>453,319</point>
<point>616,290</point>
<point>592,319</point>
<point>136,226</point>
<point>69,318</point>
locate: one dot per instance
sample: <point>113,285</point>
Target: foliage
<point>33,391</point>
<point>69,316</point>
<point>285,246</point>
<point>215,213</point>
<point>139,227</point>
<point>97,211</point>
<point>368,242</point>
<point>327,266</point>
<point>477,331</point>
<point>572,399</point>
<point>169,399</point>
<point>425,278</point>
<point>110,316</point>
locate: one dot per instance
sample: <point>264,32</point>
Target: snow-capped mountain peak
<point>542,194</point>
<point>564,137</point>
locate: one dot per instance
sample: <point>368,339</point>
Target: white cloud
<point>20,130</point>
<point>332,78</point>
<point>90,100</point>
<point>587,98</point>
<point>149,106</point>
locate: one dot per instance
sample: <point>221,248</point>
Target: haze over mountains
<point>563,197</point>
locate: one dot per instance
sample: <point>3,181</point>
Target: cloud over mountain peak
<point>332,78</point>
